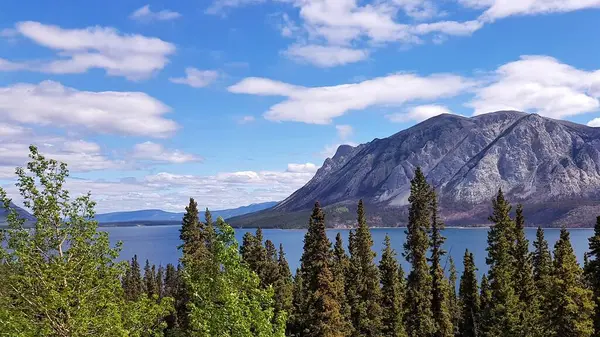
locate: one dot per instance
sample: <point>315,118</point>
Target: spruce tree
<point>365,309</point>
<point>296,321</point>
<point>341,266</point>
<point>171,286</point>
<point>485,299</point>
<point>150,285</point>
<point>270,273</point>
<point>419,317</point>
<point>133,287</point>
<point>160,282</point>
<point>283,288</point>
<point>469,299</point>
<point>254,254</point>
<point>542,276</point>
<point>572,311</point>
<point>191,232</point>
<point>440,299</point>
<point>321,312</point>
<point>454,304</point>
<point>592,271</point>
<point>503,319</point>
<point>525,289</point>
<point>392,297</point>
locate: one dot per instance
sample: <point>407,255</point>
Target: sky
<point>235,102</point>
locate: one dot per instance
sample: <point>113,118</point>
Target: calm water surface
<point>159,243</point>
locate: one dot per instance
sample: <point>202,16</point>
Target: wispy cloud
<point>197,78</point>
<point>145,14</point>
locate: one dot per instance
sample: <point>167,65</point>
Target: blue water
<point>159,243</point>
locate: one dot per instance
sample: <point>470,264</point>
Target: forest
<point>63,277</point>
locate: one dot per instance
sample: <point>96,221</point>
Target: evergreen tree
<point>296,323</point>
<point>542,275</point>
<point>284,289</point>
<point>254,254</point>
<point>419,317</point>
<point>454,305</point>
<point>503,316</point>
<point>469,298</point>
<point>525,289</point>
<point>133,285</point>
<point>485,299</point>
<point>392,297</point>
<point>171,286</point>
<point>341,266</point>
<point>270,273</point>
<point>61,277</point>
<point>365,309</point>
<point>160,282</point>
<point>191,232</point>
<point>150,285</point>
<point>592,271</point>
<point>440,299</point>
<point>321,312</point>
<point>572,308</point>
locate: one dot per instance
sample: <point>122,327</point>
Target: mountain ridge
<point>538,161</point>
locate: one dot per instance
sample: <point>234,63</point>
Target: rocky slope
<point>551,166</point>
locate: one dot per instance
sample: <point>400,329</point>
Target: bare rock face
<point>551,166</point>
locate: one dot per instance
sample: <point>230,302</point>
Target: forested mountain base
<point>62,278</point>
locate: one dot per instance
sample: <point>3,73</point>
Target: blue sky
<point>240,101</point>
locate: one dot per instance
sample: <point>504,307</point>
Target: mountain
<point>551,166</point>
<point>22,213</point>
<point>156,215</point>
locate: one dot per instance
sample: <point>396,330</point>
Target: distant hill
<point>23,213</point>
<point>155,216</point>
<point>550,166</point>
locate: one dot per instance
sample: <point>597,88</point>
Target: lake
<point>159,243</point>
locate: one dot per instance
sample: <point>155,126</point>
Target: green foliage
<point>392,293</point>
<point>364,306</point>
<point>469,325</point>
<point>485,300</point>
<point>530,314</point>
<point>132,281</point>
<point>61,278</point>
<point>572,310</point>
<point>321,312</point>
<point>226,297</point>
<point>453,303</point>
<point>419,316</point>
<point>503,314</point>
<point>592,271</point>
<point>440,290</point>
<point>283,288</point>
<point>341,268</point>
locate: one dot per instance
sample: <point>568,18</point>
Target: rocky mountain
<point>551,166</point>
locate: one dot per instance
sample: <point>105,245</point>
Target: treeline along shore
<point>63,278</point>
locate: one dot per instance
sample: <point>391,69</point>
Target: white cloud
<point>219,6</point>
<point>157,153</point>
<point>302,168</point>
<point>6,65</point>
<point>79,50</point>
<point>498,9</point>
<point>9,130</point>
<point>419,113</point>
<point>246,119</point>
<point>539,84</point>
<point>146,14</point>
<point>51,103</point>
<point>197,78</point>
<point>344,131</point>
<point>320,105</point>
<point>325,56</point>
<point>594,123</point>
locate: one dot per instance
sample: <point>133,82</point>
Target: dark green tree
<point>485,299</point>
<point>341,266</point>
<point>296,321</point>
<point>572,310</point>
<point>419,316</point>
<point>321,313</point>
<point>160,282</point>
<point>503,313</point>
<point>283,288</point>
<point>150,285</point>
<point>365,309</point>
<point>171,289</point>
<point>440,292</point>
<point>133,285</point>
<point>525,289</point>
<point>191,232</point>
<point>592,271</point>
<point>469,298</point>
<point>270,273</point>
<point>542,275</point>
<point>392,296</point>
<point>254,254</point>
<point>454,305</point>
